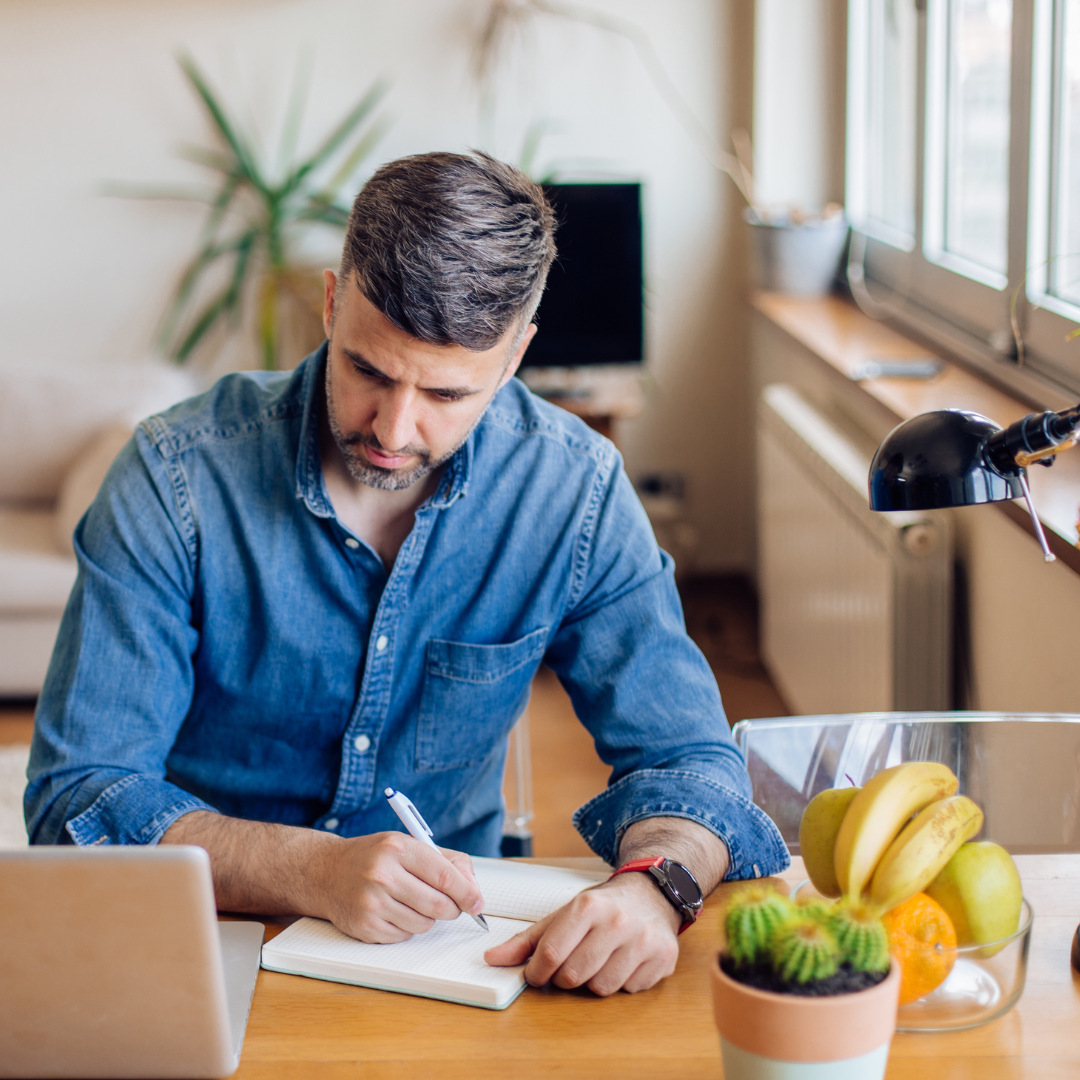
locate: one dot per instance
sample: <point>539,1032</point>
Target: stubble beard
<point>374,476</point>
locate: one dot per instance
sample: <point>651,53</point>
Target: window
<point>885,117</point>
<point>973,190</point>
<point>964,171</point>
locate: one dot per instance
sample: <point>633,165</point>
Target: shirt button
<point>352,542</point>
<point>331,823</point>
<point>381,642</point>
<point>362,743</point>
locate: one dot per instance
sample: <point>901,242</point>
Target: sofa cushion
<point>83,480</point>
<point>35,578</point>
<point>49,414</point>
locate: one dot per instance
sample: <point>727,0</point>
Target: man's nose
<point>395,424</point>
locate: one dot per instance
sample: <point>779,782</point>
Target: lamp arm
<point>1034,439</point>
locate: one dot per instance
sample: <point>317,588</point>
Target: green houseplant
<point>256,213</point>
<point>802,988</point>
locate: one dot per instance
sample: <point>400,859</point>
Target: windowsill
<point>841,336</point>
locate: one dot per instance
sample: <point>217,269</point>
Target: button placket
<point>356,781</point>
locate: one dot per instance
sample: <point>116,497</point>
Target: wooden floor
<point>721,617</point>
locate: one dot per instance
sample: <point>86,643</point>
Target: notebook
<point>448,961</point>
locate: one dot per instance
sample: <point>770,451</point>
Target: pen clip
<point>416,814</point>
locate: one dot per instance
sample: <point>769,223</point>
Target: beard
<point>374,476</point>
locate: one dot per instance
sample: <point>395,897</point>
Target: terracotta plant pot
<point>767,1036</point>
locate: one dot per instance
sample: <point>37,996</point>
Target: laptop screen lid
<point>111,965</point>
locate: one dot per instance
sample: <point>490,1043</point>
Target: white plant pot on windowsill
<point>800,258</point>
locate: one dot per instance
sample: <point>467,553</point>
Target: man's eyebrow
<point>366,368</point>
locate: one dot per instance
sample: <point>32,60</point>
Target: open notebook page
<point>529,891</point>
<point>446,962</point>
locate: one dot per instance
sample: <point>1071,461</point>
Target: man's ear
<point>330,283</point>
<point>519,354</point>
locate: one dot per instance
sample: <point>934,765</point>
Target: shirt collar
<point>309,478</point>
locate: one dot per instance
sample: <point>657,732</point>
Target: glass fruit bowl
<point>984,981</point>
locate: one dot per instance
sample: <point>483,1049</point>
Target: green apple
<point>817,836</point>
<point>980,891</point>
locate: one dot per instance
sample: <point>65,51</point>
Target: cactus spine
<point>860,934</point>
<point>804,951</point>
<point>753,918</point>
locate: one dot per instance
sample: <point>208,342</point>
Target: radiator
<point>855,605</point>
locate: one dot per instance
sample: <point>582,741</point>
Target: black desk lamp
<point>956,458</point>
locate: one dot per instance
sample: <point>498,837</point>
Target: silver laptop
<point>113,964</point>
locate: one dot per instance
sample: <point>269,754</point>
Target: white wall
<point>92,93</point>
<point>799,95</point>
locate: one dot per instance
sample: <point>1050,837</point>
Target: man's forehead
<point>370,338</point>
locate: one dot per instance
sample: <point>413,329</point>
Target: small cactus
<point>803,951</point>
<point>752,919</point>
<point>861,935</point>
<point>815,908</point>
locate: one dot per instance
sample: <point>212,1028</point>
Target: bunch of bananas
<point>866,843</point>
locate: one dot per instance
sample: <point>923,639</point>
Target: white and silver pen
<point>417,827</point>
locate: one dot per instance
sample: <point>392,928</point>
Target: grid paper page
<point>528,891</point>
<point>450,955</point>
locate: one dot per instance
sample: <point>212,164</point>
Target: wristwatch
<point>676,883</point>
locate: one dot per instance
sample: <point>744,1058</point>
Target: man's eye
<point>367,373</point>
<point>442,396</point>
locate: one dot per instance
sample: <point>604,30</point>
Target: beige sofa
<point>60,429</point>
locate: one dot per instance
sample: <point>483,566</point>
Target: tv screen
<point>591,311</point>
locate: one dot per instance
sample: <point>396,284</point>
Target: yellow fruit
<point>817,836</point>
<point>980,890</point>
<point>922,849</point>
<point>879,811</point>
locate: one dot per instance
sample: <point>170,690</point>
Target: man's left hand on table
<point>623,934</point>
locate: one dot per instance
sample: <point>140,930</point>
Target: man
<point>300,589</point>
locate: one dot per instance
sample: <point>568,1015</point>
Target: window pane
<point>1064,266</point>
<point>890,115</point>
<point>977,133</point>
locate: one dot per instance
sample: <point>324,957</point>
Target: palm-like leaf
<point>251,220</point>
<point>336,139</point>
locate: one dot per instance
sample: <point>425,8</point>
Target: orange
<point>922,938</point>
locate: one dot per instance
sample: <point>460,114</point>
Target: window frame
<point>962,309</point>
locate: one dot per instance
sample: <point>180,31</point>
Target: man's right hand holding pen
<point>379,888</point>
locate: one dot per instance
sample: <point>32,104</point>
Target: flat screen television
<point>592,310</point>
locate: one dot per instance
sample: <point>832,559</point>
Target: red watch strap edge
<point>640,864</point>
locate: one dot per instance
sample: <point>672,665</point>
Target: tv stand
<point>599,395</point>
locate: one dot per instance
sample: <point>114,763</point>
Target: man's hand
<point>388,886</point>
<point>379,888</point>
<point>618,936</point>
<point>621,935</point>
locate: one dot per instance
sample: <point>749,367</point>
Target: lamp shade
<point>937,460</point>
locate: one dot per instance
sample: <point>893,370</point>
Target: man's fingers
<point>375,931</point>
<point>436,871</point>
<point>463,862</point>
<point>519,948</point>
<point>555,944</point>
<point>612,975</point>
<point>649,974</point>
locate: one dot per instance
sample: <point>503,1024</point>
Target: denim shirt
<point>229,645</point>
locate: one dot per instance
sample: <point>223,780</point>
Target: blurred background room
<point>788,224</point>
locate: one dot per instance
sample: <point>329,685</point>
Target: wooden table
<point>326,1031</point>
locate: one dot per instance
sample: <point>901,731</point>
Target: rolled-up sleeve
<point>647,695</point>
<point>120,682</point>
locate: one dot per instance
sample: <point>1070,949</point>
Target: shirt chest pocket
<point>472,695</point>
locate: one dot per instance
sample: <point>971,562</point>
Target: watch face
<point>681,881</point>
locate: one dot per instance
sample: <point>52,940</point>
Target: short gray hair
<point>454,249</point>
